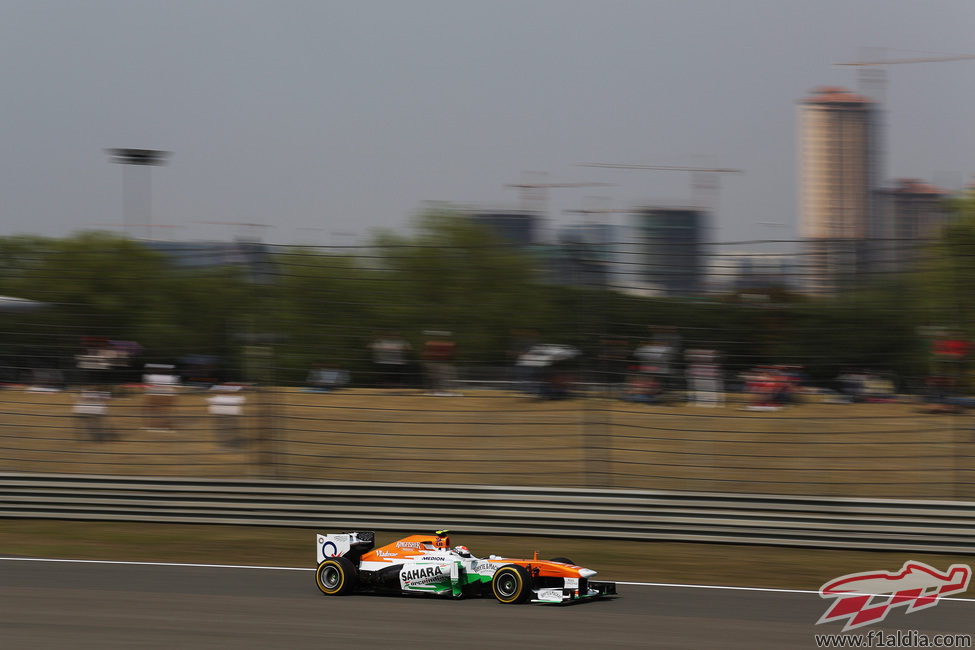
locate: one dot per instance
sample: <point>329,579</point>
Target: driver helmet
<point>462,551</point>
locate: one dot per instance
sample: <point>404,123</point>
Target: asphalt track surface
<point>46,604</point>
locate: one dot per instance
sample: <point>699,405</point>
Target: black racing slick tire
<point>563,560</point>
<point>510,584</point>
<point>336,576</point>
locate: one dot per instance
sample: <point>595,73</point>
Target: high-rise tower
<point>839,168</point>
<point>671,248</point>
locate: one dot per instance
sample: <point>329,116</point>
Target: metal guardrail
<point>909,525</point>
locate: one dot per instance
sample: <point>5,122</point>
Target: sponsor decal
<point>382,553</point>
<point>422,575</point>
<point>485,567</point>
<point>549,594</point>
<point>333,552</point>
<point>572,583</point>
<point>866,598</point>
<point>409,545</point>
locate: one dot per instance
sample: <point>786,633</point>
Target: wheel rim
<point>330,577</point>
<point>507,585</point>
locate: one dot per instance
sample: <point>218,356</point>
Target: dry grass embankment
<point>496,437</point>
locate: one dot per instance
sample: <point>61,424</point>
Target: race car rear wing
<point>351,545</point>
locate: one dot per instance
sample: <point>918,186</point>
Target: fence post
<point>260,371</point>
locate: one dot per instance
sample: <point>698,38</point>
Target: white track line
<point>784,591</point>
<point>290,568</point>
<point>183,564</point>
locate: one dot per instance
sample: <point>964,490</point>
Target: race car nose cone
<point>586,573</point>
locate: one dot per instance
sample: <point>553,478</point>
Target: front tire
<point>336,576</point>
<point>510,584</point>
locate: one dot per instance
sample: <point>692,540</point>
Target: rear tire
<point>563,560</point>
<point>336,576</point>
<point>510,584</point>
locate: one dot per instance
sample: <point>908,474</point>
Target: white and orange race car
<point>427,564</point>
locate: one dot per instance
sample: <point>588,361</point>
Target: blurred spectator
<point>90,411</point>
<point>614,360</point>
<point>943,395</point>
<point>879,388</point>
<point>656,358</point>
<point>103,361</point>
<point>850,385</point>
<point>226,408</point>
<point>525,374</point>
<point>641,388</point>
<point>947,378</point>
<point>324,378</point>
<point>438,361</point>
<point>553,365</point>
<point>46,380</point>
<point>389,357</point>
<point>705,385</point>
<point>864,386</point>
<point>161,384</point>
<point>200,370</point>
<point>651,373</point>
<point>771,387</point>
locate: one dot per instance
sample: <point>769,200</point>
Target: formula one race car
<point>426,564</point>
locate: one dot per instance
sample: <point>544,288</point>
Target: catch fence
<point>502,437</point>
<point>467,364</point>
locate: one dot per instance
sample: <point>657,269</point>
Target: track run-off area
<point>52,603</point>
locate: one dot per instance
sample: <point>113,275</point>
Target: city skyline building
<point>670,242</point>
<point>518,227</point>
<point>912,213</point>
<point>839,168</point>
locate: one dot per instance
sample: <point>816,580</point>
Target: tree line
<point>311,306</point>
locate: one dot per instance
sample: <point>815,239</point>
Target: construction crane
<point>921,59</point>
<point>589,212</point>
<point>247,230</point>
<point>602,211</point>
<point>704,180</point>
<point>126,227</point>
<point>534,195</point>
<point>872,77</point>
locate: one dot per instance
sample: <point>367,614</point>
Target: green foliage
<point>456,275</point>
<point>98,284</point>
<point>451,274</point>
<point>323,305</point>
<point>946,282</point>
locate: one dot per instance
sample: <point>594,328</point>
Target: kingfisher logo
<point>866,598</point>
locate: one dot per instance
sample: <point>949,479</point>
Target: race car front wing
<point>575,589</point>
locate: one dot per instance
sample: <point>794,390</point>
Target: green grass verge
<point>624,560</point>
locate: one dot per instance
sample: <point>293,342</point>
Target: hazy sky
<point>325,117</point>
